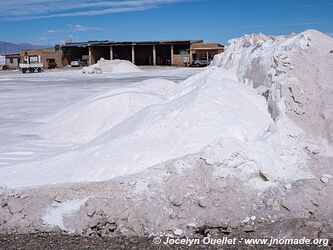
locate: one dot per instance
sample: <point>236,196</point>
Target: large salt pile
<point>209,113</point>
<point>212,115</point>
<point>111,66</point>
<point>295,72</point>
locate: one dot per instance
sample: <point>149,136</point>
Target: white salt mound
<point>296,71</point>
<point>220,115</point>
<point>211,114</point>
<point>96,115</point>
<point>111,66</point>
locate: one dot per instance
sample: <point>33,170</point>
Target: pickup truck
<point>201,62</point>
<point>32,64</point>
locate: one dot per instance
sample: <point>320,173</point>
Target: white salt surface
<point>54,215</point>
<point>27,101</point>
<point>126,130</point>
<point>129,128</point>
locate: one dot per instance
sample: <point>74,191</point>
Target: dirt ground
<point>171,200</point>
<point>46,241</point>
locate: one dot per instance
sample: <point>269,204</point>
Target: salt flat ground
<point>26,98</point>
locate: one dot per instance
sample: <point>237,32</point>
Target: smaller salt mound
<point>92,117</point>
<point>113,66</point>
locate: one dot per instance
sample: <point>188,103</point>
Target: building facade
<point>12,61</point>
<point>50,56</point>
<point>206,51</point>
<point>172,53</point>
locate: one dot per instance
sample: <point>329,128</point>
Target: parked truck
<point>32,64</point>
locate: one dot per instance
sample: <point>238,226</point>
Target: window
<point>34,59</point>
<point>11,60</point>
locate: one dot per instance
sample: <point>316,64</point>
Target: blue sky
<point>52,21</point>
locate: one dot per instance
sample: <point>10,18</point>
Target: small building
<point>50,56</point>
<point>172,53</point>
<point>12,61</point>
<point>206,51</point>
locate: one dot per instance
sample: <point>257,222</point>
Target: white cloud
<point>314,5</point>
<point>284,24</point>
<point>81,28</point>
<point>36,9</point>
<point>53,31</point>
<point>58,36</point>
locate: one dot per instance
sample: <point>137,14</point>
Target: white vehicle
<point>79,63</point>
<point>2,61</point>
<point>32,64</point>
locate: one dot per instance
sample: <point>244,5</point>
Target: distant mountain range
<point>11,48</point>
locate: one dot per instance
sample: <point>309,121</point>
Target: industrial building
<point>154,53</point>
<point>51,57</point>
<point>12,61</point>
<point>208,51</point>
<point>173,53</point>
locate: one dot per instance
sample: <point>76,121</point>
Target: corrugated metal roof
<point>115,43</point>
<point>207,48</point>
<point>12,55</point>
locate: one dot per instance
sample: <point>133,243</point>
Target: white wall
<point>2,60</point>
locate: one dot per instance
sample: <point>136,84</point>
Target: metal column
<point>154,55</point>
<point>171,54</point>
<point>133,54</point>
<point>111,53</point>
